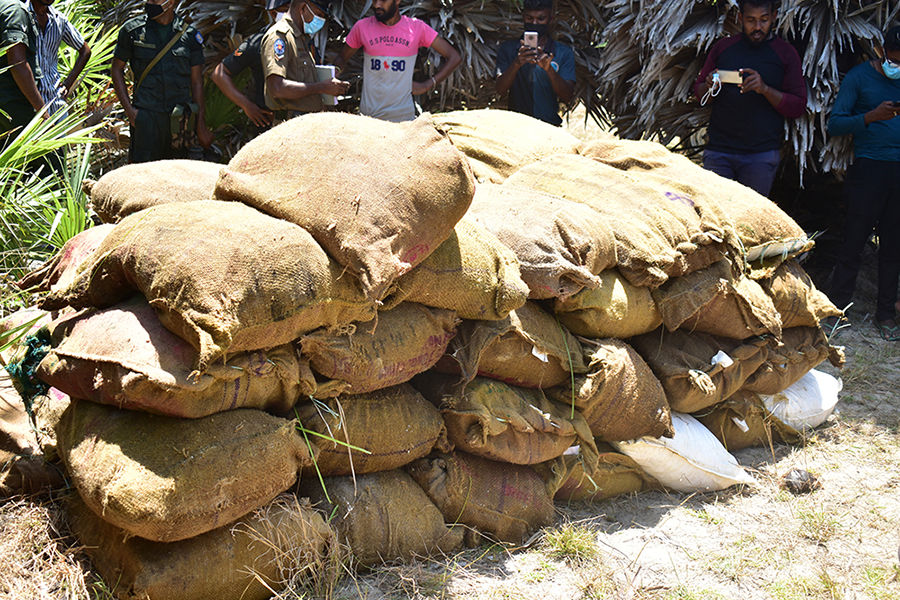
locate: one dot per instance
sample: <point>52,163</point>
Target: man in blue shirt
<point>537,79</point>
<point>866,107</point>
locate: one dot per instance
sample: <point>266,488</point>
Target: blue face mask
<point>313,26</point>
<point>890,71</point>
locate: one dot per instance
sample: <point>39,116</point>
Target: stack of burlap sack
<point>390,337</point>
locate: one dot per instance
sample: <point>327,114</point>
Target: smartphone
<point>730,77</point>
<point>531,39</point>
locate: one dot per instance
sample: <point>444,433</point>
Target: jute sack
<point>124,357</point>
<point>619,397</point>
<point>659,232</point>
<point>499,142</point>
<point>378,196</point>
<point>693,460</point>
<point>24,469</point>
<point>15,327</point>
<point>528,348</point>
<point>616,309</point>
<point>801,349</point>
<point>616,474</point>
<point>742,421</point>
<point>713,300</point>
<point>283,542</point>
<point>767,233</point>
<point>131,188</point>
<point>394,426</point>
<point>796,298</point>
<point>168,479</point>
<point>221,275</point>
<point>560,244</point>
<point>506,502</point>
<point>505,423</point>
<point>391,349</point>
<point>471,273</point>
<point>59,272</point>
<point>383,517</point>
<point>699,370</point>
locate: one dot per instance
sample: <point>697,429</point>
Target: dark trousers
<point>756,171</point>
<point>151,137</point>
<point>872,198</point>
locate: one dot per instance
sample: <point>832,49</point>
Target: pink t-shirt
<point>388,64</point>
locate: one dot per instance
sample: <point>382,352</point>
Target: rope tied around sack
<point>22,368</point>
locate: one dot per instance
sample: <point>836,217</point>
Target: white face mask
<point>279,16</point>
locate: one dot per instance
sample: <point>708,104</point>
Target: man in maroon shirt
<point>746,127</point>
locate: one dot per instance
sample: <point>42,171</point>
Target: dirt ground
<point>839,542</point>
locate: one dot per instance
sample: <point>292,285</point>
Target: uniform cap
<point>276,4</point>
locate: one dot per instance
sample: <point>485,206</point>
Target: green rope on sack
<point>37,346</point>
<point>569,357</point>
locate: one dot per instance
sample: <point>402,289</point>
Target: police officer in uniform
<point>248,56</point>
<point>19,95</point>
<point>175,80</point>
<point>288,61</point>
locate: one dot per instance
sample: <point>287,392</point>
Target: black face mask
<point>153,10</point>
<point>541,29</point>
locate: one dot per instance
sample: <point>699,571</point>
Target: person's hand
<point>258,116</point>
<point>132,115</point>
<point>885,111</point>
<point>65,88</point>
<point>527,55</point>
<point>545,61</point>
<point>204,135</point>
<point>753,82</point>
<point>709,78</point>
<point>336,87</point>
<point>420,87</point>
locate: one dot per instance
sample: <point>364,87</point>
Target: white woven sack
<point>806,404</point>
<point>692,461</point>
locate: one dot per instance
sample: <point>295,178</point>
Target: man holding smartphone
<point>867,108</point>
<point>746,127</point>
<point>536,70</point>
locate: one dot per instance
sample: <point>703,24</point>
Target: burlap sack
<point>505,423</point>
<point>801,349</point>
<point>528,348</point>
<point>14,328</point>
<point>221,275</point>
<point>767,233</point>
<point>394,426</point>
<point>383,517</point>
<point>506,502</point>
<point>616,309</point>
<point>59,272</point>
<point>378,196</point>
<point>471,273</point>
<point>135,187</point>
<point>400,343</point>
<point>499,142</point>
<point>24,469</point>
<point>619,397</point>
<point>168,479</point>
<point>48,409</point>
<point>713,300</point>
<point>615,475</point>
<point>796,298</point>
<point>660,233</point>
<point>699,370</point>
<point>124,357</point>
<point>560,244</point>
<point>247,560</point>
<point>742,421</point>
